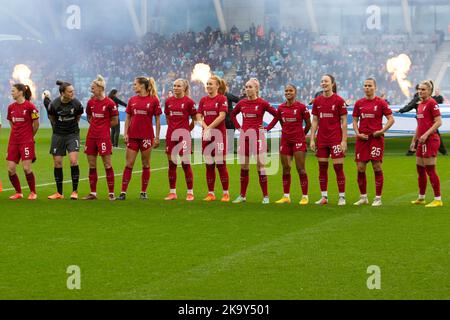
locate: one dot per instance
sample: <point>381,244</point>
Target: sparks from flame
<point>399,67</point>
<point>22,74</point>
<point>202,73</point>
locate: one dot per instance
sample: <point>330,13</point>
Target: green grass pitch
<point>180,250</point>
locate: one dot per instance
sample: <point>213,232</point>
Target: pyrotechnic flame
<point>202,72</point>
<point>22,74</point>
<point>399,67</point>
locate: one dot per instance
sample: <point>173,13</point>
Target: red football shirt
<point>178,112</point>
<point>22,117</point>
<point>291,119</point>
<point>426,112</point>
<point>211,108</point>
<point>329,111</point>
<point>142,110</point>
<point>370,114</point>
<point>252,114</point>
<point>101,112</point>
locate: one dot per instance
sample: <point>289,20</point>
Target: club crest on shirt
<point>375,108</point>
<point>256,108</point>
<point>104,108</point>
<point>182,106</point>
<point>295,112</point>
<point>333,107</point>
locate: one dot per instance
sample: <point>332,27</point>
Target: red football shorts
<point>24,151</point>
<point>370,150</point>
<point>101,147</point>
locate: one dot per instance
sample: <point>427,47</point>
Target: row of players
<point>328,137</point>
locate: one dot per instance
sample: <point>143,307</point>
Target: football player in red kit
<point>24,121</point>
<point>212,111</point>
<point>292,114</point>
<point>178,110</point>
<point>139,133</point>
<point>368,116</point>
<point>428,121</point>
<point>330,118</point>
<point>252,140</point>
<point>102,114</point>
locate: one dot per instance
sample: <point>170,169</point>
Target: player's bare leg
<point>93,178</point>
<point>286,164</point>
<point>300,163</point>
<point>131,156</point>
<point>362,184</point>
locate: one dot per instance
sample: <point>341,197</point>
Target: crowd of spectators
<point>274,57</point>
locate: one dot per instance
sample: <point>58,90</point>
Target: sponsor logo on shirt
<point>420,116</point>
<point>98,115</point>
<point>140,112</point>
<point>367,115</point>
<point>289,119</point>
<point>210,113</point>
<point>326,115</point>
<point>250,115</point>
<point>15,119</point>
<point>176,113</point>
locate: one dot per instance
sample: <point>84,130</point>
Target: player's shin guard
<point>127,173</point>
<point>304,183</point>
<point>362,183</point>
<point>31,182</point>
<point>379,182</point>
<point>110,177</point>
<point>93,178</point>
<point>263,183</point>
<point>15,183</point>
<point>340,177</point>
<point>323,176</point>
<point>75,172</point>
<point>434,180</point>
<point>210,177</point>
<point>422,178</point>
<point>224,176</point>
<point>244,182</point>
<point>287,183</point>
<point>145,178</point>
<point>189,176</point>
<point>58,173</point>
<point>172,175</point>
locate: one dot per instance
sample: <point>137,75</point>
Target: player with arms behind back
<point>428,121</point>
<point>139,134</point>
<point>102,114</point>
<point>24,121</point>
<point>330,118</point>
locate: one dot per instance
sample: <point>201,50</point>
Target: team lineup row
<point>327,126</point>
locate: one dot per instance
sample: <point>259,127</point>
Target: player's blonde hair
<point>186,86</point>
<point>223,88</point>
<point>100,82</point>
<point>149,84</point>
<point>255,82</point>
<point>429,84</point>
